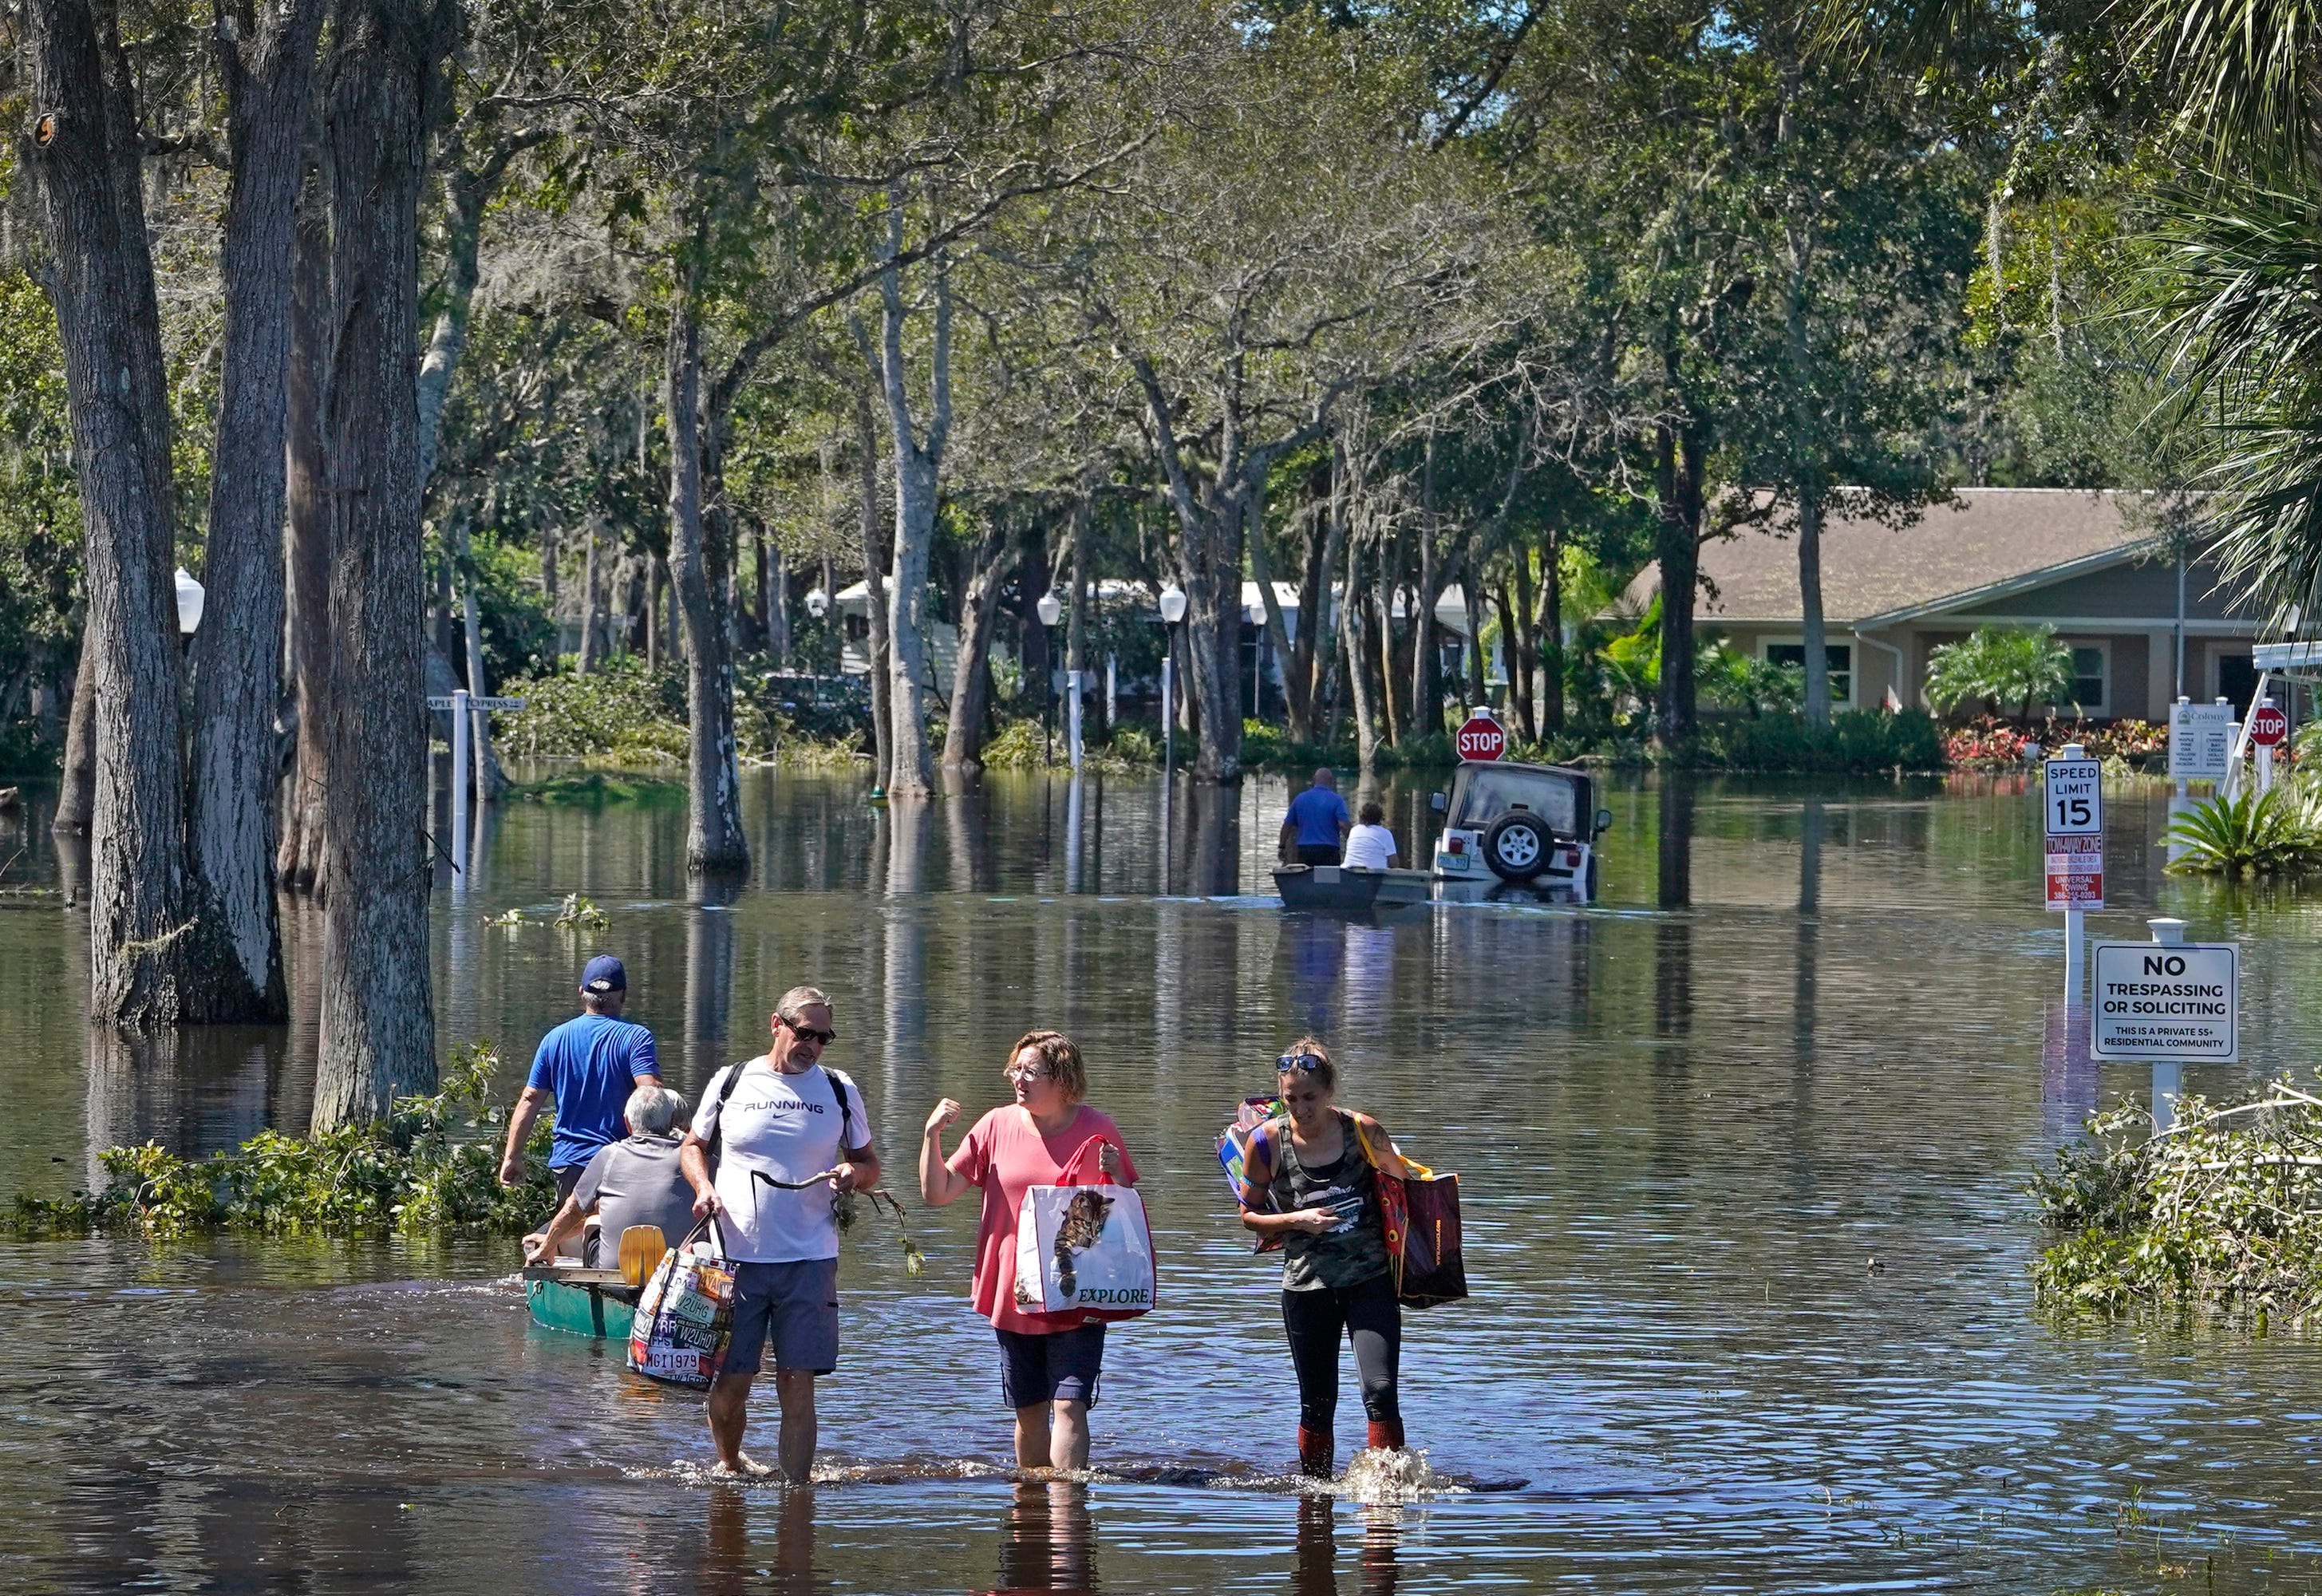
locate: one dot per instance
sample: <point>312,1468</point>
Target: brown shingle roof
<point>1988,536</point>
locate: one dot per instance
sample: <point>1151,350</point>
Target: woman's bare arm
<point>939,1183</point>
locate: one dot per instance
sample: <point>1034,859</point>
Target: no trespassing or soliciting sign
<point>2162,1000</point>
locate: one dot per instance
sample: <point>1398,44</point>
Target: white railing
<point>2232,785</point>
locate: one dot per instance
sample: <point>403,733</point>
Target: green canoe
<point>582,1301</point>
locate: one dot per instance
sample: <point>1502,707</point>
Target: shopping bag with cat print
<point>1083,1246</point>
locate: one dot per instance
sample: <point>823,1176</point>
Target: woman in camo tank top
<point>1310,1186</point>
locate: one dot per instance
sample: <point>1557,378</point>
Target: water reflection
<point>709,932</point>
<point>1316,1570</point>
<point>1676,841</point>
<point>735,1562</point>
<point>1049,1543</point>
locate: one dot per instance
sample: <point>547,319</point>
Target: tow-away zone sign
<point>2167,1000</point>
<point>2075,873</point>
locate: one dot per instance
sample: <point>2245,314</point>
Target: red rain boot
<point>1316,1449</point>
<point>1387,1435</point>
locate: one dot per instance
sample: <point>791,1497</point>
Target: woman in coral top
<point>1049,1362</point>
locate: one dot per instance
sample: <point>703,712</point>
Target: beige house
<point>2084,563</point>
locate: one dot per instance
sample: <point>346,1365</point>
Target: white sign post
<point>2073,803</point>
<point>463,705</point>
<point>1072,716</point>
<point>2170,1001</point>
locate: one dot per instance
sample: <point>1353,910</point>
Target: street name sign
<point>2075,874</point>
<point>1481,738</point>
<point>2074,795</point>
<point>451,701</point>
<point>2200,741</point>
<point>2164,1001</point>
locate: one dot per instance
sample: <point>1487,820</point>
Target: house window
<point>2091,677</point>
<point>1841,658</point>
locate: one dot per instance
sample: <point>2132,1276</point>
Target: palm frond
<point>2230,289</point>
<point>2242,73</point>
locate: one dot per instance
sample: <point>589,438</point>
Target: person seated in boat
<point>1370,846</point>
<point>1314,827</point>
<point>637,1180</point>
<point>587,1067</point>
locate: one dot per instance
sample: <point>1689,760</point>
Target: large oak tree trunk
<point>1353,669</point>
<point>378,1019</point>
<point>970,679</point>
<point>233,955</point>
<point>1677,544</point>
<point>875,555</point>
<point>1551,630</point>
<point>714,842</point>
<point>300,860</point>
<point>917,468</point>
<point>1814,629</point>
<point>85,154</point>
<point>76,790</point>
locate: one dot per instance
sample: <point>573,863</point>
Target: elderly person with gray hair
<point>778,1136</point>
<point>639,1181</point>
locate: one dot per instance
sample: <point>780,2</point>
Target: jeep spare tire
<point>1517,845</point>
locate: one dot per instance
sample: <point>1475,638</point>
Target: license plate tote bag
<point>685,1315</point>
<point>1421,1215</point>
<point>1083,1246</point>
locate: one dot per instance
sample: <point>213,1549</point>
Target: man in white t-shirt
<point>1370,846</point>
<point>774,1138</point>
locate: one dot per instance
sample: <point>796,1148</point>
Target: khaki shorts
<point>793,1305</point>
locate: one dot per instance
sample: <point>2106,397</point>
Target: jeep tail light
<point>1456,844</point>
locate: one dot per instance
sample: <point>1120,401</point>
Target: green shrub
<point>619,714</point>
<point>1857,741</point>
<point>431,1166</point>
<point>2277,834</point>
<point>2221,1215</point>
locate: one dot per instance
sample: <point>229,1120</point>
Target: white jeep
<point>1530,825</point>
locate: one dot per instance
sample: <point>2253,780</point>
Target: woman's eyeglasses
<point>807,1033</point>
<point>1020,1072</point>
<point>1304,1063</point>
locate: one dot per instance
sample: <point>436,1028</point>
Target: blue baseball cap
<point>604,975</point>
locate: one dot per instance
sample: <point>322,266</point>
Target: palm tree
<point>2001,665</point>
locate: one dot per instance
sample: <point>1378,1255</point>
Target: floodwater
<point>1812,1026</point>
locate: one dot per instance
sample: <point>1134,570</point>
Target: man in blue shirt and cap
<point>1315,828</point>
<point>587,1067</point>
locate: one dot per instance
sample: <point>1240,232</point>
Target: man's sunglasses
<point>1308,1062</point>
<point>807,1033</point>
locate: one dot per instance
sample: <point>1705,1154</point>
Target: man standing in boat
<point>1315,826</point>
<point>778,1140</point>
<point>587,1067</point>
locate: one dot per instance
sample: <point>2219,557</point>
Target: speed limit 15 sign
<point>2074,797</point>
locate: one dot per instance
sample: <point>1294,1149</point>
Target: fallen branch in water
<point>431,1166</point>
<point>2220,1216</point>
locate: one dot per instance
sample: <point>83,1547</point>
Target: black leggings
<point>1315,1320</point>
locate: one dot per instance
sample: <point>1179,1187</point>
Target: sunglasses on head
<point>807,1033</point>
<point>1306,1063</point>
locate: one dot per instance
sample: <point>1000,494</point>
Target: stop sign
<point>2268,726</point>
<point>1480,738</point>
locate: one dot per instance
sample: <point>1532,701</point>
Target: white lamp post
<point>1050,609</point>
<point>190,598</point>
<point>1173,612</point>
